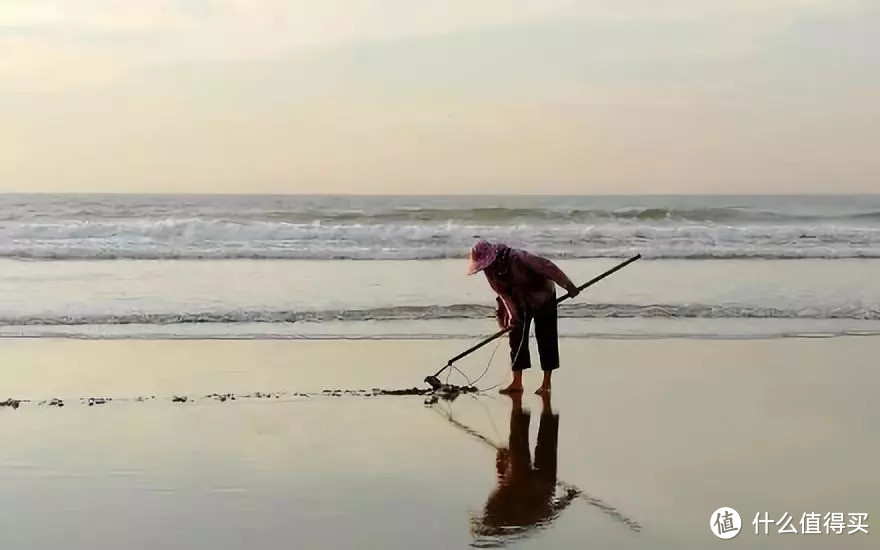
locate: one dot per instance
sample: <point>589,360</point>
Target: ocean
<point>138,266</point>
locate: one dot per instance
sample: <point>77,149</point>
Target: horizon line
<point>425,195</point>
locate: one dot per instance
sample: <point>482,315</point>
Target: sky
<point>460,96</point>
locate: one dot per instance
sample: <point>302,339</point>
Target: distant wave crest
<point>303,213</point>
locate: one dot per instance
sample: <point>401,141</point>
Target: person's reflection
<point>524,496</point>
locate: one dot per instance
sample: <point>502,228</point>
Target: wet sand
<point>652,436</point>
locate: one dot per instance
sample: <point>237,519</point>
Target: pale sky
<point>460,96</point>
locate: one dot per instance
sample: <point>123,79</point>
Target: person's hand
<point>511,322</point>
<point>501,318</point>
<point>573,292</point>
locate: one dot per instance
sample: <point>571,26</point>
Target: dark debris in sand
<point>92,401</point>
<point>447,392</point>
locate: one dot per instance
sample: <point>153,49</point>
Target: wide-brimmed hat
<point>481,256</point>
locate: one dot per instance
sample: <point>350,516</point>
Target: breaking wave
<point>461,311</point>
<point>61,227</point>
<point>196,238</point>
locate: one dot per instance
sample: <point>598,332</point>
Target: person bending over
<point>524,283</point>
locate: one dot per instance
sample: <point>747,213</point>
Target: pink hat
<point>482,255</point>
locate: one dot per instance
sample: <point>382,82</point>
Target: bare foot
<point>545,384</point>
<point>513,388</point>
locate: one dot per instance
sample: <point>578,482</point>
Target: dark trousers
<point>546,334</point>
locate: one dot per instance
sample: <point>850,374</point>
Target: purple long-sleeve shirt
<point>525,279</point>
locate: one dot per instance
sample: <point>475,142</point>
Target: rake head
<point>434,382</point>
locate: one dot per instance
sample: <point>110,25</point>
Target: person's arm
<point>550,270</point>
<point>512,317</point>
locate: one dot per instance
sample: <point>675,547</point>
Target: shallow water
<point>427,299</point>
<point>661,432</point>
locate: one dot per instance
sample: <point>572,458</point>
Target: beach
<point>658,433</point>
